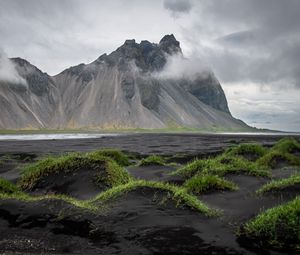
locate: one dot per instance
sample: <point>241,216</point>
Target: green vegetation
<point>277,228</point>
<point>281,151</point>
<point>27,198</point>
<point>115,174</point>
<point>153,160</point>
<point>234,160</point>
<point>202,183</point>
<point>121,158</point>
<point>272,158</point>
<point>221,165</point>
<point>7,187</point>
<point>287,145</point>
<point>178,194</point>
<point>280,184</point>
<point>9,190</point>
<point>171,129</point>
<point>252,149</point>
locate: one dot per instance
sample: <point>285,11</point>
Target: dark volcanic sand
<point>136,223</point>
<point>145,144</point>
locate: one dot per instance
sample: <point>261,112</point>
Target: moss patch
<point>203,183</point>
<point>276,228</point>
<point>280,184</point>
<point>178,194</point>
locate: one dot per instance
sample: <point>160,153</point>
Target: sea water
<point>25,137</point>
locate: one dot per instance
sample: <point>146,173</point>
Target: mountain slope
<point>125,89</point>
<point>28,106</point>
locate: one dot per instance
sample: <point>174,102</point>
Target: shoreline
<point>141,143</point>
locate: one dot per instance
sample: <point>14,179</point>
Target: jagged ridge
<point>119,90</point>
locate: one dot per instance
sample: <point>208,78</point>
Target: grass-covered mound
<point>7,187</point>
<point>21,196</point>
<point>118,156</point>
<point>277,159</point>
<point>251,159</point>
<point>203,183</point>
<point>250,151</point>
<point>10,191</point>
<point>90,173</point>
<point>178,194</point>
<point>287,145</point>
<point>221,165</point>
<point>277,185</point>
<point>153,160</point>
<point>276,228</point>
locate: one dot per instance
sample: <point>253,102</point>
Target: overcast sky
<point>253,46</point>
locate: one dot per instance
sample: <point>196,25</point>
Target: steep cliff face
<point>119,90</point>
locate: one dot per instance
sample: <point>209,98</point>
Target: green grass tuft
<point>116,175</point>
<point>153,160</point>
<point>277,228</point>
<point>32,173</point>
<point>222,165</point>
<point>287,145</point>
<point>271,159</point>
<point>202,183</point>
<point>9,190</point>
<point>7,187</point>
<point>234,160</point>
<point>121,158</point>
<point>20,196</point>
<point>247,148</point>
<point>178,194</point>
<point>280,184</point>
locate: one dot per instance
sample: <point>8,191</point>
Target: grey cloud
<point>257,40</point>
<point>8,72</point>
<point>178,6</point>
<point>178,67</point>
<point>251,41</point>
<point>56,34</point>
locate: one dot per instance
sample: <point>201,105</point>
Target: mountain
<point>125,89</point>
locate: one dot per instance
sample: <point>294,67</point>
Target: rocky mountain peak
<point>146,55</point>
<point>170,45</point>
<point>37,80</point>
<point>20,61</point>
<point>112,93</point>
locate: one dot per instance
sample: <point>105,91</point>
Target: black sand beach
<point>137,222</point>
<point>142,143</point>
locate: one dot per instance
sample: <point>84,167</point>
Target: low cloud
<point>8,72</point>
<point>179,67</point>
<point>178,6</point>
